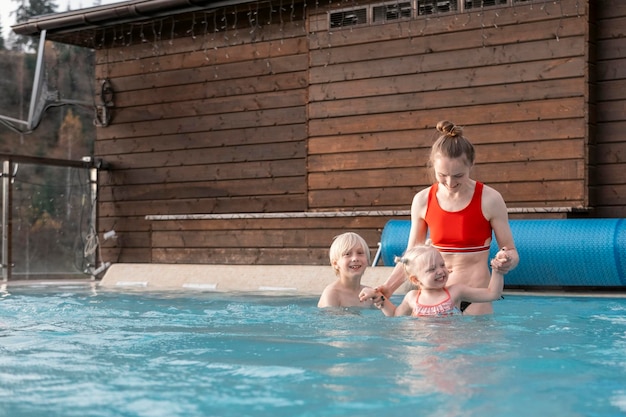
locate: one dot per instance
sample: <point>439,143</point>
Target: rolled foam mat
<point>553,253</point>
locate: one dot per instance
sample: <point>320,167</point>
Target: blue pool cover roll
<point>553,253</point>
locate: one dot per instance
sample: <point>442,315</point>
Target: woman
<point>461,214</point>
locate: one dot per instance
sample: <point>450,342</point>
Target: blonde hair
<point>418,258</point>
<point>344,242</point>
<point>452,144</point>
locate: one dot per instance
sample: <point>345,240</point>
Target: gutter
<point>124,12</point>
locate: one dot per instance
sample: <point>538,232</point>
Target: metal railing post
<point>93,188</point>
<point>7,204</point>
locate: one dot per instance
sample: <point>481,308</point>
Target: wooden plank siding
<point>517,85</point>
<point>216,130</point>
<point>609,186</point>
<point>295,117</point>
<point>283,241</point>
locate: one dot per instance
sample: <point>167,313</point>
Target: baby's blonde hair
<point>418,258</point>
<point>344,242</point>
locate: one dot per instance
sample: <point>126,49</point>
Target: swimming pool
<point>81,351</point>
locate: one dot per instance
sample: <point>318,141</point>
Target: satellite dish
<point>42,97</point>
<point>38,96</point>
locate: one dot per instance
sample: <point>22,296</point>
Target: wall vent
<point>436,6</point>
<point>348,18</point>
<point>392,11</point>
<point>403,9</point>
<point>477,4</point>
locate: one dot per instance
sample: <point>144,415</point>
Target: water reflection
<point>449,361</point>
<point>444,364</point>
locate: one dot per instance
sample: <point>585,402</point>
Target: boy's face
<point>352,262</point>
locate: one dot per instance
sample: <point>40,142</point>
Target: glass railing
<point>48,218</point>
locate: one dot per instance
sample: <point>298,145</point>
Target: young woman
<point>460,214</point>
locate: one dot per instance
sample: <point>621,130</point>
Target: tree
<point>25,12</point>
<point>2,47</point>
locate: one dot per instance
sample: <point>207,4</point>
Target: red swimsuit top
<point>461,231</point>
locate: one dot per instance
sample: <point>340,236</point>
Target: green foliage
<point>25,11</point>
<point>50,215</point>
<point>77,85</point>
<point>2,46</point>
<point>51,204</point>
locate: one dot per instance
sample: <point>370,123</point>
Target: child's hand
<point>502,262</point>
<point>373,293</point>
<point>368,294</point>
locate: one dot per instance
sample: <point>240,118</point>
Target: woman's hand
<point>380,301</point>
<point>504,260</point>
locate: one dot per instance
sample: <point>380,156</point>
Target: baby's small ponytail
<point>400,260</point>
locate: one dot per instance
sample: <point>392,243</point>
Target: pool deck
<point>307,280</point>
<point>299,279</point>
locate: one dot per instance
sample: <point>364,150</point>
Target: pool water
<point>81,351</point>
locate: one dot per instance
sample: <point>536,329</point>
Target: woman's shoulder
<point>491,195</point>
<point>422,195</point>
<point>489,191</point>
<point>492,202</point>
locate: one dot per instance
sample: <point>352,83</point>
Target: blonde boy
<point>349,257</point>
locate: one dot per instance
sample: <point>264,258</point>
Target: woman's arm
<point>495,210</point>
<point>395,280</point>
<point>417,235</point>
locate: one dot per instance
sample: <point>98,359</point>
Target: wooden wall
<point>514,77</point>
<point>291,117</point>
<point>213,123</point>
<point>609,70</point>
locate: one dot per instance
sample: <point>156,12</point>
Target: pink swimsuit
<point>444,308</point>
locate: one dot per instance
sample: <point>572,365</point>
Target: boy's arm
<point>328,299</point>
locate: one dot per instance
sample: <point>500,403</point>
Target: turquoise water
<point>80,351</point>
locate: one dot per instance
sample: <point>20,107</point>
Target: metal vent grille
<point>477,4</point>
<point>436,6</point>
<point>348,18</point>
<point>393,11</point>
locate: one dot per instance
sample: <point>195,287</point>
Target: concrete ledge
<point>292,279</point>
